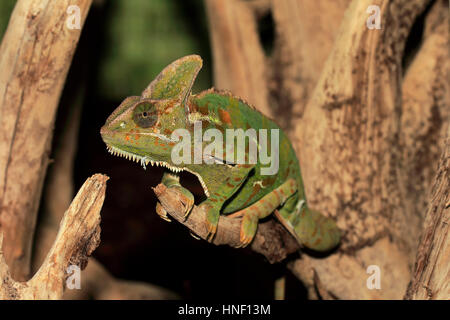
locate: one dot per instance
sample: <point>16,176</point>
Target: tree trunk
<point>35,55</point>
<point>367,137</point>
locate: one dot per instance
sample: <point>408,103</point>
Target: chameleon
<point>141,129</point>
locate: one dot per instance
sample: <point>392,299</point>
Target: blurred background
<point>123,46</point>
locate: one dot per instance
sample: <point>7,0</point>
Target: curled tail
<point>311,229</point>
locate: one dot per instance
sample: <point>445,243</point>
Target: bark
<point>306,30</point>
<point>367,139</point>
<point>35,56</point>
<point>271,240</point>
<point>425,110</point>
<point>78,236</point>
<point>239,62</point>
<point>350,155</point>
<point>432,270</point>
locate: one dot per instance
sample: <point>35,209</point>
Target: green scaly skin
<point>140,129</point>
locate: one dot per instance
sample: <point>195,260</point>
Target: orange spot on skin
<point>237,179</point>
<point>224,116</point>
<point>230,185</point>
<point>127,137</point>
<point>256,210</point>
<point>136,137</point>
<point>167,132</point>
<point>256,189</point>
<point>278,196</point>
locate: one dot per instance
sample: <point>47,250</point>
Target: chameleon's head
<point>140,128</point>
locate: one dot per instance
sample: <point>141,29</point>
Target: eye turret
<point>145,114</point>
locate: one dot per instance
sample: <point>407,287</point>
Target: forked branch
<point>78,236</point>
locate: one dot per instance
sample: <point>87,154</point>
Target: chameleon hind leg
<point>261,209</point>
<point>311,229</point>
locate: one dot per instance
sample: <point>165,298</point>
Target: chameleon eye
<point>145,114</point>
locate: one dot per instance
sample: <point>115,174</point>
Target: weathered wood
<point>35,56</point>
<point>431,278</point>
<point>350,152</point>
<point>425,111</point>
<point>77,238</point>
<point>239,61</point>
<point>366,155</point>
<point>305,34</point>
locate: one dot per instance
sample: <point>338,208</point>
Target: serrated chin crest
<point>144,161</point>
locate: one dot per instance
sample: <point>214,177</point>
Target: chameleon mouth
<point>144,161</point>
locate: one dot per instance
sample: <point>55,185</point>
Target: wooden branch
<point>78,236</point>
<point>305,34</point>
<point>431,279</point>
<point>349,152</point>
<point>357,163</point>
<point>239,62</point>
<point>425,110</point>
<point>35,56</point>
<point>271,240</point>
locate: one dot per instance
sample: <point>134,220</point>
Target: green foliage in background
<point>141,38</point>
<point>5,12</point>
<point>144,36</point>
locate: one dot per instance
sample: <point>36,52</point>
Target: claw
<point>188,205</point>
<point>162,213</point>
<point>244,238</point>
<point>194,235</point>
<point>187,200</point>
<point>212,229</point>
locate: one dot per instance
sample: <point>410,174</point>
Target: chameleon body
<point>141,129</point>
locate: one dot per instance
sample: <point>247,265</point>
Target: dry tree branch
<point>239,62</point>
<point>425,110</point>
<point>347,130</point>
<point>350,154</point>
<point>271,240</point>
<point>305,33</point>
<point>431,279</point>
<point>35,55</point>
<point>78,236</point>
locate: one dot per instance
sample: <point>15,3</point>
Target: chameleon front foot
<point>187,199</point>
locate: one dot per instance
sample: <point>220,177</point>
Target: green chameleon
<point>141,128</point>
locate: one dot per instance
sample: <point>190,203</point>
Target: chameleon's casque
<point>141,129</point>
